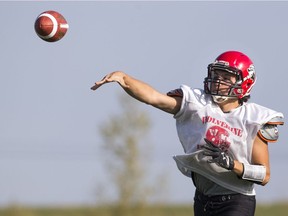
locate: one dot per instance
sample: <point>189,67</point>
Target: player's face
<point>222,81</point>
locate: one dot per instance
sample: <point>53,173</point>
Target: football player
<point>225,138</point>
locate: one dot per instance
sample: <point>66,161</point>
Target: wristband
<point>254,172</point>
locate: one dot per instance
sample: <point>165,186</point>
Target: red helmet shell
<point>243,64</point>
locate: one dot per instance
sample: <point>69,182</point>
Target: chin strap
<point>219,99</point>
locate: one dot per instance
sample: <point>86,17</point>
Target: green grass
<point>277,209</point>
<point>280,209</point>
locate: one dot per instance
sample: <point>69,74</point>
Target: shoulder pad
<point>269,133</point>
<point>175,93</point>
<point>276,121</point>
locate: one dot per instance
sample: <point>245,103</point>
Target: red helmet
<point>235,63</point>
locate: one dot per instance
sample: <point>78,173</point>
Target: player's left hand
<point>218,156</point>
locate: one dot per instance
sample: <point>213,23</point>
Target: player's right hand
<point>116,76</point>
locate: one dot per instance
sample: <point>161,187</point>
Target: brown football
<point>51,26</point>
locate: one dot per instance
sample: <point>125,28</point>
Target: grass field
<point>280,209</point>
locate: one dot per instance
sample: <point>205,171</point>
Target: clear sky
<point>49,118</point>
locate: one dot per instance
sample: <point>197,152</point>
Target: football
<point>51,26</point>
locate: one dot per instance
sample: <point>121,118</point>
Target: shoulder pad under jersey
<point>176,93</point>
<point>269,131</point>
<point>276,121</point>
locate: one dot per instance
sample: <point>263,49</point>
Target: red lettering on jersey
<point>210,119</point>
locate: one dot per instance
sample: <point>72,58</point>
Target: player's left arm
<point>260,156</point>
<point>260,153</point>
<point>259,169</point>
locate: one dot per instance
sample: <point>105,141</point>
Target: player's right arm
<point>142,92</point>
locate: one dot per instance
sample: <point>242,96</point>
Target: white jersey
<point>235,132</point>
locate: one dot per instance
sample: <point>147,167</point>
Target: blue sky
<point>49,142</point>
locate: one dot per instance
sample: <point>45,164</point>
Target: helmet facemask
<point>223,82</point>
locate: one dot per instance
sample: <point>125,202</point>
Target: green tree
<point>126,154</point>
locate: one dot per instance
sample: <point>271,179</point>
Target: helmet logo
<point>251,71</point>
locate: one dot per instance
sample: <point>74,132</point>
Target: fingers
<point>112,77</point>
<point>209,142</point>
<point>210,148</point>
<point>214,156</point>
<point>95,87</point>
<point>100,83</point>
<point>210,153</point>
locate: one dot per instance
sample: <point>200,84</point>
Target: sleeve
<point>176,93</point>
<point>193,99</point>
